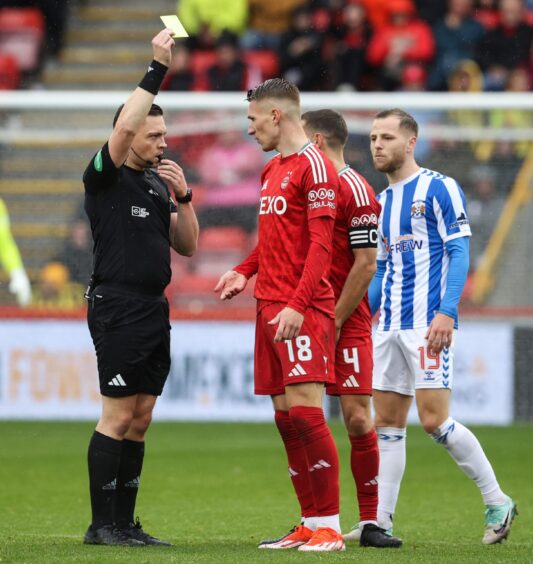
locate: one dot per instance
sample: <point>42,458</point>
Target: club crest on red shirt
<point>286,180</point>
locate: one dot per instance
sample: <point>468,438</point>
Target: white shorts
<point>403,364</point>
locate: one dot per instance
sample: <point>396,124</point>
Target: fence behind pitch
<point>47,139</point>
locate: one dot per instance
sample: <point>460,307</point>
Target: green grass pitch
<point>215,490</point>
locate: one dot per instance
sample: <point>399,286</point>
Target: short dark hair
<point>274,88</point>
<point>330,123</point>
<point>155,110</point>
<point>407,121</point>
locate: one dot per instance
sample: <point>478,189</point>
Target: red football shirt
<point>355,228</point>
<point>294,191</point>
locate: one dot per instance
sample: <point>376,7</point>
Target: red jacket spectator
<point>404,39</point>
<point>377,11</point>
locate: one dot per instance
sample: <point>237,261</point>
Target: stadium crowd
<point>326,45</point>
<point>368,45</point>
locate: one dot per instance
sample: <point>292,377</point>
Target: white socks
<point>391,442</point>
<point>331,521</point>
<point>465,449</point>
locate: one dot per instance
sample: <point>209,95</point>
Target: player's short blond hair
<point>278,88</point>
<point>407,121</point>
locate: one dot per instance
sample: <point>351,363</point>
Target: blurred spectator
<point>377,12</point>
<point>77,253</point>
<point>467,77</point>
<point>505,47</point>
<point>350,47</point>
<point>228,73</point>
<point>55,290</point>
<point>456,37</point>
<point>453,157</point>
<point>486,13</point>
<point>55,14</point>
<point>405,39</point>
<point>518,81</point>
<point>19,284</point>
<point>206,19</point>
<point>514,119</point>
<point>228,171</point>
<point>180,76</point>
<point>431,12</point>
<point>413,79</point>
<point>268,20</point>
<point>301,52</point>
<point>505,159</point>
<point>484,208</point>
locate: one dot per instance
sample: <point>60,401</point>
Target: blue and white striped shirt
<point>418,216</point>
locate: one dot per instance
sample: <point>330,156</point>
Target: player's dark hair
<point>274,88</point>
<point>330,123</point>
<point>407,121</point>
<point>155,110</point>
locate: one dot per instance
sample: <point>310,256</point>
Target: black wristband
<point>153,78</point>
<point>185,199</point>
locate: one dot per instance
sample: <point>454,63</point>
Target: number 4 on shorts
<point>351,356</point>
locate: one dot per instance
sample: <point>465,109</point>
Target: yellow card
<point>173,23</point>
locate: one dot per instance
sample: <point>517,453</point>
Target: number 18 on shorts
<point>306,358</point>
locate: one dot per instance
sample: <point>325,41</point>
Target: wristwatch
<point>185,199</point>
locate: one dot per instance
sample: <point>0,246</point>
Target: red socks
<point>365,467</point>
<point>298,467</point>
<point>322,457</point>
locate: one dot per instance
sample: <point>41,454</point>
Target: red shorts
<point>307,358</point>
<point>354,363</point>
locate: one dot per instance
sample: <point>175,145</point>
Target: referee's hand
<point>174,178</point>
<point>162,47</point>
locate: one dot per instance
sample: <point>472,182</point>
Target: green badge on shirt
<point>98,165</point>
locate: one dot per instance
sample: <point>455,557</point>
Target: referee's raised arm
<point>137,106</point>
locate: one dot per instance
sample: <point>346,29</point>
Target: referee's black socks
<point>128,479</point>
<point>103,460</point>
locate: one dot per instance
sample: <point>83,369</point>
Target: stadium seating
<point>22,33</point>
<point>193,280</point>
<point>266,60</point>
<point>219,249</point>
<point>9,72</point>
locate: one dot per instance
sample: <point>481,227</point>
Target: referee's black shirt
<point>129,211</point>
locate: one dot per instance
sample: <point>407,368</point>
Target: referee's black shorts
<point>131,336</point>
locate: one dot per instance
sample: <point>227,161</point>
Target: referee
<point>130,191</point>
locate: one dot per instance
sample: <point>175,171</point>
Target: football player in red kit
<point>353,266</point>
<point>295,326</point>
